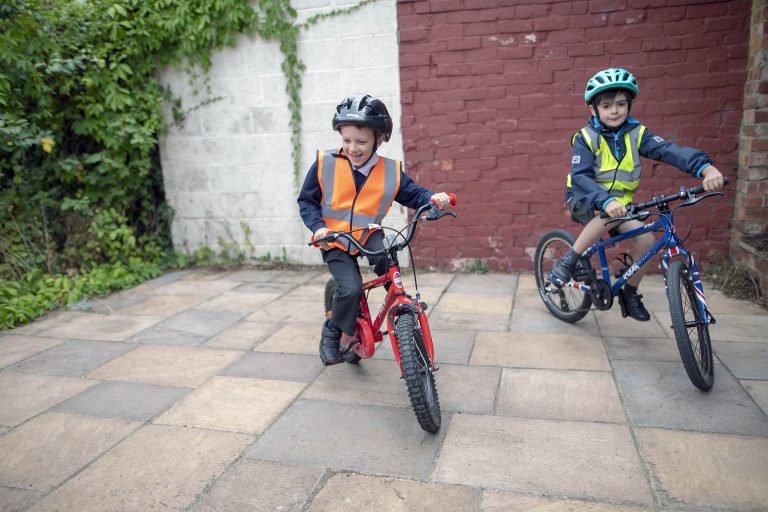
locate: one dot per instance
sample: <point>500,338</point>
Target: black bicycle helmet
<point>364,109</point>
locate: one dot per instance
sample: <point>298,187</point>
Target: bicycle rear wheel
<point>417,373</point>
<point>567,304</point>
<point>330,293</point>
<point>691,333</point>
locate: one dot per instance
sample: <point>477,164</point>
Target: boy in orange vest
<point>351,189</point>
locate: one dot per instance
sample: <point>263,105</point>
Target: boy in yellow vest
<point>605,172</point>
<point>351,189</point>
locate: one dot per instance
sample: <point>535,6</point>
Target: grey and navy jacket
<point>605,163</point>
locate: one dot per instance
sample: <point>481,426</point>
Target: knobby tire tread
<point>414,375</point>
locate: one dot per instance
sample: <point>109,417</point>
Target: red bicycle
<point>406,318</point>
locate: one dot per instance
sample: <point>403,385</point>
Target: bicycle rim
<point>567,304</point>
<point>691,333</point>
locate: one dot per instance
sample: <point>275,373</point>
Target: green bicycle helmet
<point>608,79</point>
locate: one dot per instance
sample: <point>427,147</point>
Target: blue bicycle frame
<point>669,240</point>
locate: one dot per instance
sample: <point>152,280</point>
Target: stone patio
<point>202,391</point>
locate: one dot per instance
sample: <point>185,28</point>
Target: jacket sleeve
<point>410,194</point>
<point>584,184</point>
<point>310,201</point>
<point>689,160</point>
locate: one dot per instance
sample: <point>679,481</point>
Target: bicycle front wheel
<point>567,304</point>
<point>691,331</point>
<point>417,373</point>
<point>330,293</point>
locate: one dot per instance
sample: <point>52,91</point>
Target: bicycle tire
<point>328,295</point>
<point>417,373</point>
<point>567,304</point>
<point>687,322</point>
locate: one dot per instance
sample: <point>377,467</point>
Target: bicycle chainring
<point>602,297</point>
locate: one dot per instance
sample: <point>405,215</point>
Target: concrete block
<point>17,348</point>
<point>73,358</point>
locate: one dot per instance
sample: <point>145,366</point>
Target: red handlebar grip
<point>451,199</point>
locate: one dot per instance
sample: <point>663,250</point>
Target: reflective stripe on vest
<point>619,179</point>
<point>371,203</point>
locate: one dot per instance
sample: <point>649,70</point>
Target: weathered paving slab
<point>189,328</point>
<point>641,348</point>
<point>504,284</point>
<point>18,348</point>
<point>256,486</point>
<point>294,338</point>
<point>532,350</point>
<point>560,394</point>
<point>43,452</point>
<point>234,404</point>
<point>506,501</point>
<point>759,392</point>
<point>242,335</point>
<point>744,360</point>
<point>541,321</point>
<point>613,324</point>
<point>347,492</point>
<point>23,396</point>
<point>658,394</point>
<point>116,327</point>
<point>166,366</point>
<point>127,400</point>
<point>522,454</point>
<point>707,470</point>
<point>72,358</point>
<point>362,438</point>
<point>267,365</point>
<point>157,467</point>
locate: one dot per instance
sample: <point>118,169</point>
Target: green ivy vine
<point>279,23</point>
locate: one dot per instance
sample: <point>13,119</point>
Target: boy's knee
<point>644,242</point>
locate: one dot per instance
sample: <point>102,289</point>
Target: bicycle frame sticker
<point>397,279</point>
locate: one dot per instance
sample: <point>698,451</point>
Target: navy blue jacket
<point>585,188</point>
<point>410,195</point>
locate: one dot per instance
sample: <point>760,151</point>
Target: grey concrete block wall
<point>229,165</point>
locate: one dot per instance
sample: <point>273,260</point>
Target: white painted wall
<point>230,164</point>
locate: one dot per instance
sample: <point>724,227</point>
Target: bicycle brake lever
<point>695,199</point>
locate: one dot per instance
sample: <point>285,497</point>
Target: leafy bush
<point>82,208</point>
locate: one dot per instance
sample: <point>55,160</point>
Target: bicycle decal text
<point>397,280</point>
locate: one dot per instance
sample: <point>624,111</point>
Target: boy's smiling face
<point>357,143</point>
<point>612,112</point>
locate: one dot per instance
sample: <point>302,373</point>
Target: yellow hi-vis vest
<point>346,209</point>
<point>620,179</point>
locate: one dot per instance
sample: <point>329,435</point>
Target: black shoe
<point>563,269</point>
<point>329,345</point>
<point>634,306</point>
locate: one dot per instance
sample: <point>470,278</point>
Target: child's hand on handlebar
<point>320,233</point>
<point>441,199</point>
<point>615,209</point>
<point>713,179</point>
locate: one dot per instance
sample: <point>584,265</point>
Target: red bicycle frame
<point>368,331</point>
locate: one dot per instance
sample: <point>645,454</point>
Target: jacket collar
<point>630,123</point>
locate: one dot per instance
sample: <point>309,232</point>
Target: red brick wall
<point>492,90</point>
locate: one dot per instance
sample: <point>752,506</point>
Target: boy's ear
<point>592,109</point>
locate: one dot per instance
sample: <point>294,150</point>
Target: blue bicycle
<point>691,319</point>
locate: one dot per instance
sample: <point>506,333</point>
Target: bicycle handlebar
<point>434,214</point>
<point>684,193</point>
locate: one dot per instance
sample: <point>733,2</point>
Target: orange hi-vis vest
<point>346,209</point>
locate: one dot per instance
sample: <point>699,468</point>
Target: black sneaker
<point>563,269</point>
<point>329,345</point>
<point>634,305</point>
